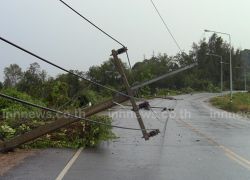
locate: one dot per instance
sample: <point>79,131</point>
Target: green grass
<point>241,102</point>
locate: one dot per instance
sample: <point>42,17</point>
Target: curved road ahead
<point>196,142</point>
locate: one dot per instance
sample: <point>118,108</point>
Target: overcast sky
<point>49,29</point>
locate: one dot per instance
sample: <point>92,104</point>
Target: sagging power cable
<point>61,68</point>
<point>97,27</point>
<point>90,22</point>
<point>166,26</point>
<point>67,114</point>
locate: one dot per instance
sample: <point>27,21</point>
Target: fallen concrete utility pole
<point>164,76</point>
<point>48,128</point>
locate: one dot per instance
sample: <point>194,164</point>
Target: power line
<point>166,26</point>
<point>236,67</point>
<point>67,114</point>
<point>90,22</point>
<point>97,27</point>
<point>63,69</point>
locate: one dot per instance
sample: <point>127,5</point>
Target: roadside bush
<point>10,108</point>
<point>80,134</point>
<point>187,90</point>
<point>212,88</point>
<point>6,131</point>
<point>96,133</point>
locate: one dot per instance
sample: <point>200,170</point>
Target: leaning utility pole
<point>130,92</point>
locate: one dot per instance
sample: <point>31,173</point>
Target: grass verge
<point>241,102</point>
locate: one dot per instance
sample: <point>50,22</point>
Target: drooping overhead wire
<point>97,27</point>
<point>61,68</point>
<point>90,22</point>
<point>236,67</point>
<point>166,26</point>
<point>67,114</point>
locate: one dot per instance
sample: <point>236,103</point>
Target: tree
<point>75,84</point>
<point>156,66</point>
<point>59,94</point>
<point>106,74</point>
<point>12,75</point>
<point>1,85</point>
<point>33,80</point>
<point>208,71</point>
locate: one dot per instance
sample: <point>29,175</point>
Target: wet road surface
<point>196,142</point>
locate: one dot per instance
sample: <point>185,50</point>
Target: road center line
<point>228,152</point>
<point>69,164</point>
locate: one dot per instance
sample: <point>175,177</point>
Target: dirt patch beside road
<point>12,159</point>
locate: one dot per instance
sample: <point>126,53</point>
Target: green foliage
<point>153,67</point>
<point>95,133</point>
<point>212,88</point>
<point>72,137</point>
<point>82,134</point>
<point>241,102</point>
<point>32,81</point>
<point>59,93</point>
<point>205,77</point>
<point>106,74</point>
<point>23,128</point>
<point>6,131</point>
<point>10,108</point>
<point>187,90</point>
<point>75,85</point>
<point>14,114</point>
<point>93,96</point>
<point>145,91</point>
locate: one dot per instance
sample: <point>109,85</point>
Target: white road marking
<point>68,166</point>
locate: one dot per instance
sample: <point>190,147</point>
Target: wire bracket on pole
<point>119,51</point>
<point>122,50</point>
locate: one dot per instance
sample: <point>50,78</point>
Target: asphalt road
<point>196,142</point>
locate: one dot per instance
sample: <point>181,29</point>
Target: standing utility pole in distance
<point>221,69</point>
<point>230,59</point>
<point>245,76</point>
<point>245,72</point>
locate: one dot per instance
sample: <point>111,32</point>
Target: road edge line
<point>69,164</point>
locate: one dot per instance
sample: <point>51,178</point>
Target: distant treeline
<point>66,90</point>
